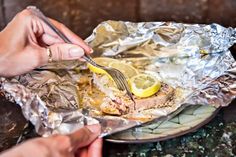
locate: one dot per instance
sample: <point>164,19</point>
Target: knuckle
<point>86,134</point>
<point>87,131</point>
<point>44,148</point>
<point>62,142</point>
<point>59,54</point>
<point>24,14</point>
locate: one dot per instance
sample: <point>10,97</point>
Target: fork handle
<point>39,14</point>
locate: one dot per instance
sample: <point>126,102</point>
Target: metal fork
<point>116,75</point>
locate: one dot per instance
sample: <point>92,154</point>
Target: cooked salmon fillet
<point>100,94</point>
<point>122,106</point>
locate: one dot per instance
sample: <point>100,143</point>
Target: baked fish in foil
<point>192,62</point>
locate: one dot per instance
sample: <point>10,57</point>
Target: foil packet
<point>191,56</point>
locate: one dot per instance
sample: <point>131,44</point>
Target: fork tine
<point>121,79</point>
<point>114,77</point>
<point>117,77</point>
<point>125,84</point>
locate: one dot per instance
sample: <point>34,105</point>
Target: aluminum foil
<point>193,57</point>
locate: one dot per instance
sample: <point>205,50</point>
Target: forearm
<point>2,54</point>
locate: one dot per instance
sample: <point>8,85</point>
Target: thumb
<point>65,52</point>
<point>84,136</point>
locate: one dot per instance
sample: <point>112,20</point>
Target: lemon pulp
<point>104,61</point>
<point>143,85</point>
<point>127,69</point>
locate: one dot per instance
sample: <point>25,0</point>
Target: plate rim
<point>192,129</point>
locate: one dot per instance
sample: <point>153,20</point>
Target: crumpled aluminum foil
<point>193,57</point>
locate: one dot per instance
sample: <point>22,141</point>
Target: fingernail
<point>76,52</point>
<point>91,51</point>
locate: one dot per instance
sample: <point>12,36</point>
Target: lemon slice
<point>101,61</point>
<point>127,69</point>
<point>143,85</point>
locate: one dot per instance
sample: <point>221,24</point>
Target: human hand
<point>25,42</point>
<point>82,143</point>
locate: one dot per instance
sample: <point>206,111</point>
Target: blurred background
<point>82,16</point>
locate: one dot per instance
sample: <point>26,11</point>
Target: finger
<point>45,29</point>
<point>72,36</point>
<point>40,28</point>
<point>84,136</point>
<point>95,149</point>
<point>83,152</point>
<point>50,40</point>
<point>64,52</point>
